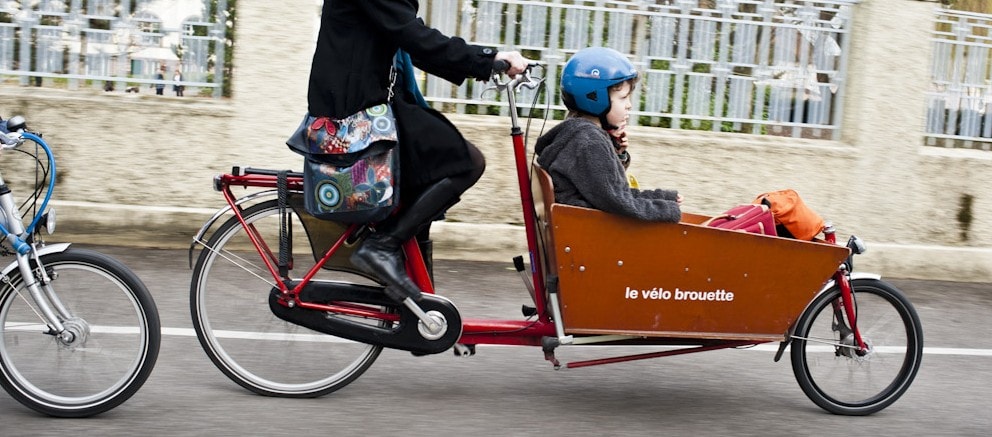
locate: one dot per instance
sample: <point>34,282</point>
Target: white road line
<point>186,332</point>
<point>320,338</point>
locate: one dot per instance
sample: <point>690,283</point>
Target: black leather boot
<point>381,255</point>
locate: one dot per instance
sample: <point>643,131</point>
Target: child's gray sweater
<point>585,170</point>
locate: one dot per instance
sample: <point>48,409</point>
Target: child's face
<point>620,105</point>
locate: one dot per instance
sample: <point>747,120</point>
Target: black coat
<point>350,71</point>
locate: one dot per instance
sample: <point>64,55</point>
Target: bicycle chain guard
<point>407,334</point>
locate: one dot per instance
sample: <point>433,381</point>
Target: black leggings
<point>415,217</point>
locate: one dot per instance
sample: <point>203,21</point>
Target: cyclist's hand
<point>517,62</point>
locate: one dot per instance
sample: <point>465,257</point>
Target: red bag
<point>756,219</point>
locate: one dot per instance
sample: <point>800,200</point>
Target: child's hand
<point>620,141</point>
<point>619,138</point>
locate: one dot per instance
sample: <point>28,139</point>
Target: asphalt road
<point>506,391</point>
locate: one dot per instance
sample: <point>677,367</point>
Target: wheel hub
<point>850,349</point>
<point>75,333</point>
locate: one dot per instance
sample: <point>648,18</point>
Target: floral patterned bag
<point>351,167</point>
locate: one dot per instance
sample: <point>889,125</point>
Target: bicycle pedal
<point>463,350</point>
<point>528,310</point>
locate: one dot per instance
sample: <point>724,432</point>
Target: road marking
<point>187,332</point>
<point>321,338</point>
<point>926,350</point>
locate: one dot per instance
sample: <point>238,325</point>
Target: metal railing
<point>109,45</point>
<point>755,66</point>
<point>959,104</point>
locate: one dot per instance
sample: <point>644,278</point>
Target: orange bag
<point>792,213</point>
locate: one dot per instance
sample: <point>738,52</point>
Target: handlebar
<point>522,80</point>
<point>10,141</point>
<point>513,85</point>
<point>12,134</point>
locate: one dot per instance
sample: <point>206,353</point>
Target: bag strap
<point>285,232</point>
<point>392,83</point>
<point>404,66</point>
<point>719,217</point>
<point>728,216</point>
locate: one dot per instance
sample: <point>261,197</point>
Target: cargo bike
<point>279,310</point>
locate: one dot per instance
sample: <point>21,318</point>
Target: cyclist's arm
<point>448,57</point>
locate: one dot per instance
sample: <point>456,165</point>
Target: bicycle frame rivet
<point>620,263</point>
<point>582,268</point>
<point>568,249</point>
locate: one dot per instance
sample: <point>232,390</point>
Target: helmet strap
<point>605,124</point>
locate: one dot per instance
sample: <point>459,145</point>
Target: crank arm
<point>432,326</point>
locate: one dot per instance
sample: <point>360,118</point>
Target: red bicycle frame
<point>474,331</point>
<point>528,332</point>
<point>847,297</point>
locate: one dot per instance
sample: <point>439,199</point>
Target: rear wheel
<point>826,363</point>
<point>229,303</point>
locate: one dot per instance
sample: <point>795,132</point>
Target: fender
<point>854,276</point>
<point>40,251</point>
<point>223,212</point>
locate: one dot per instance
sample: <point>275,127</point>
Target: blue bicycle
<point>79,332</point>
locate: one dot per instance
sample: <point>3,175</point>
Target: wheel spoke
<point>110,344</point>
<point>826,362</point>
<point>229,297</point>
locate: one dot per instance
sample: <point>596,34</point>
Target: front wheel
<point>113,343</point>
<point>826,363</point>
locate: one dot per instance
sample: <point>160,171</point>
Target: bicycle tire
<point>115,318</point>
<point>838,380</point>
<point>240,334</point>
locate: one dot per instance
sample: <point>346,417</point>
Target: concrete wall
<point>139,167</point>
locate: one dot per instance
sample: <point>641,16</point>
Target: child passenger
<point>586,154</point>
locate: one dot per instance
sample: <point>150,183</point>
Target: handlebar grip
<point>500,66</point>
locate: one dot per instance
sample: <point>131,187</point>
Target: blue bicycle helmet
<point>588,76</point>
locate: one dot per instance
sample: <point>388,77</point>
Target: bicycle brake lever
<point>10,140</point>
<point>517,81</point>
<point>522,80</point>
<point>530,82</point>
<point>497,88</point>
<point>525,80</point>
